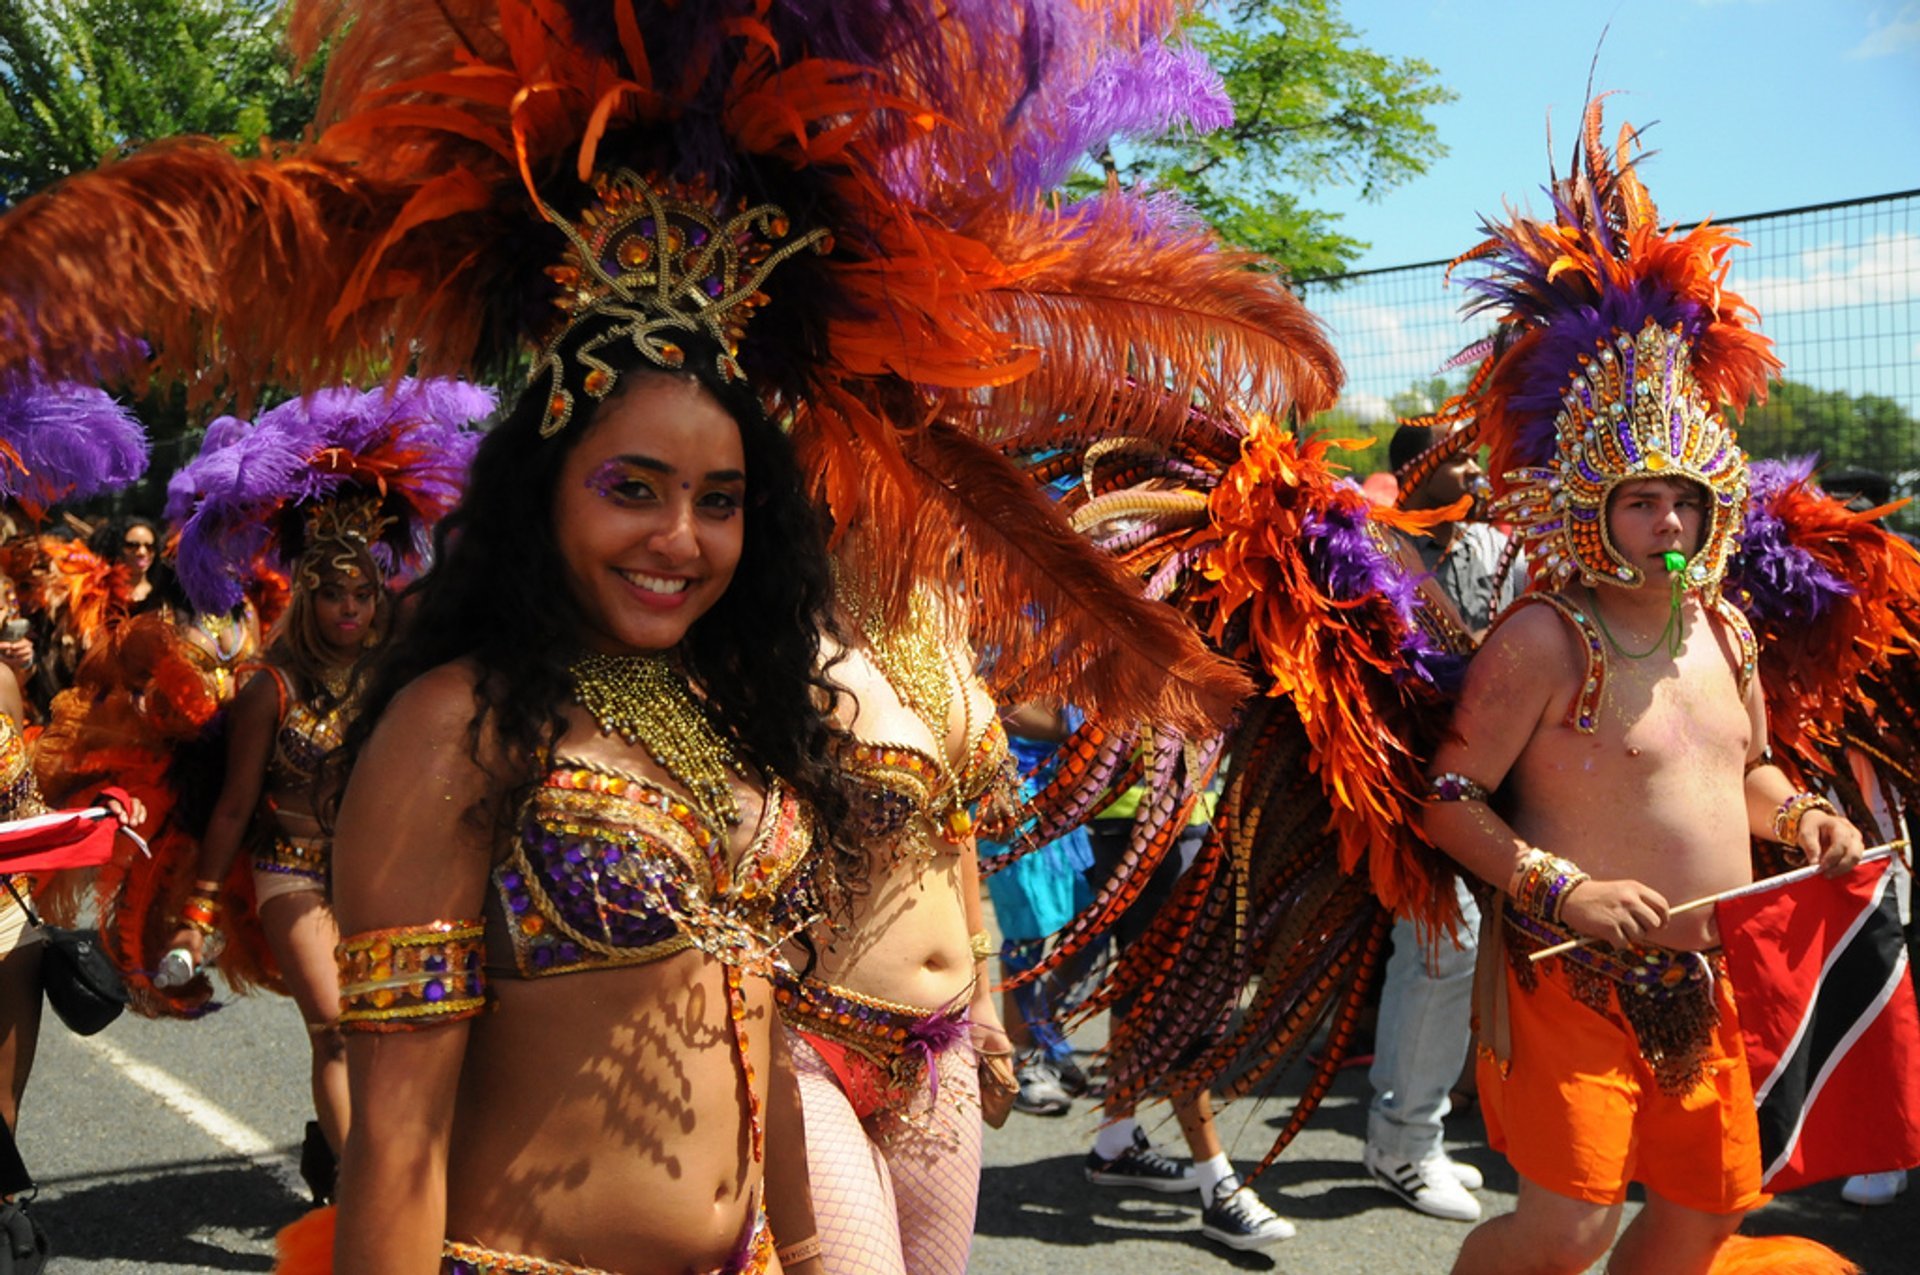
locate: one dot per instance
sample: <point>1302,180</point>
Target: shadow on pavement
<point>1050,1202</point>
<point>184,1218</point>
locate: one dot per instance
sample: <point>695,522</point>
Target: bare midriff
<point>606,1120</point>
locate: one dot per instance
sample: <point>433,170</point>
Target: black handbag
<point>82,985</point>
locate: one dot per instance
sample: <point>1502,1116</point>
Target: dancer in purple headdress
<point>339,490</point>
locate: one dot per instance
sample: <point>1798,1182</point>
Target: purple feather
<point>1572,319</point>
<point>240,498</point>
<point>1142,94</point>
<point>1351,567</point>
<point>1775,581</point>
<point>73,441</point>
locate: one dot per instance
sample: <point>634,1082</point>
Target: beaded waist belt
<point>753,1256</point>
<point>296,856</point>
<point>1666,996</point>
<point>901,1040</point>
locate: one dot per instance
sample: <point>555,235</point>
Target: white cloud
<point>1368,409</point>
<point>1884,269</point>
<point>1890,36</point>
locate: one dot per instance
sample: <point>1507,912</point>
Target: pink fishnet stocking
<point>853,1204</point>
<point>936,1169</point>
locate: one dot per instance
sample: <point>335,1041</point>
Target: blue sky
<point>1755,105</point>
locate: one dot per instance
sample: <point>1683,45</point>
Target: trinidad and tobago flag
<point>1828,1017</point>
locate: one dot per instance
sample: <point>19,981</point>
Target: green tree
<point>1312,107</point>
<point>81,79</point>
<point>1866,431</point>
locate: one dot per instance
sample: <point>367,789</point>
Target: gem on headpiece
<point>1633,414</point>
<point>657,258</point>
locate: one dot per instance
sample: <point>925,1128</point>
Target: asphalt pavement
<point>169,1148</point>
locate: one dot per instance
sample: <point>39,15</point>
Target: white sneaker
<point>1463,1173</point>
<point>1874,1188</point>
<point>1239,1219</point>
<point>1433,1185</point>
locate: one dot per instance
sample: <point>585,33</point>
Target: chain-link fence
<point>1838,289</point>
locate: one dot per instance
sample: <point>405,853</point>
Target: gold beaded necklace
<point>912,657</point>
<point>645,700</point>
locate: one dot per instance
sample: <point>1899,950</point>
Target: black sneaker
<point>1237,1218</point>
<point>1072,1079</point>
<point>1140,1166</point>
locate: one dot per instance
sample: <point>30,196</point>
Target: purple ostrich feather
<point>1775,581</point>
<point>1144,93</point>
<point>232,501</point>
<point>1572,319</point>
<point>1351,567</point>
<point>73,441</point>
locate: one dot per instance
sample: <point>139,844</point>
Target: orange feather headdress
<point>1619,352</point>
<point>957,311</point>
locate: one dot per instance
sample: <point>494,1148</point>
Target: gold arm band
<point>981,944</point>
<point>411,976</point>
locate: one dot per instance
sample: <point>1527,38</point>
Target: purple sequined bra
<point>611,869</point>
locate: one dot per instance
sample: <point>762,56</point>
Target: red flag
<point>1832,1034</point>
<point>64,839</point>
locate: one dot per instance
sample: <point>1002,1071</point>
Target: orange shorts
<point>1580,1113</point>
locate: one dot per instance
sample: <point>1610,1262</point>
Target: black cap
<point>1409,441</point>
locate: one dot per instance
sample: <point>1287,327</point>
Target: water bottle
<point>176,969</point>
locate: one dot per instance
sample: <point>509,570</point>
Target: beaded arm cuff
<point>1542,883</point>
<point>1455,787</point>
<point>1787,819</point>
<point>411,976</point>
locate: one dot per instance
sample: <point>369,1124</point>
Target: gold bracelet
<point>1541,884</point>
<point>1792,811</point>
<point>799,1251</point>
<point>981,944</point>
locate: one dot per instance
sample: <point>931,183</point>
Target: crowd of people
<point>615,787</point>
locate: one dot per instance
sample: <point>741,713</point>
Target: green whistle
<point>1674,562</point>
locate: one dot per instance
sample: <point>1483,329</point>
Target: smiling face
<point>1651,517</point>
<point>649,514</point>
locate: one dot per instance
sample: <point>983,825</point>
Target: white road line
<point>235,1135</point>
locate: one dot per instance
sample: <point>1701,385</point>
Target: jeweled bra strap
<point>1583,714</point>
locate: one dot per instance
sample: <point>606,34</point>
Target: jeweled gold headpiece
<point>1630,411</point>
<point>658,259</point>
<point>338,535</point>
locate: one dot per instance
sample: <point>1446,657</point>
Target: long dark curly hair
<point>495,596</point>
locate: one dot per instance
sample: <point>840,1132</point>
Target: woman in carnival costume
<point>57,442</point>
<point>339,492</point>
<point>672,173</point>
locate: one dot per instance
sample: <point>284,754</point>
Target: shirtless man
<point>1651,785</point>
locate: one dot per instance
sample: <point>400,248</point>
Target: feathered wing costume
<point>949,311</point>
<point>1835,598</point>
<point>1257,536</point>
<point>261,500</point>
